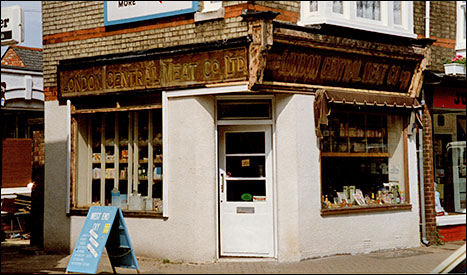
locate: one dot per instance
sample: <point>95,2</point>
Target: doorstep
<point>451,227</point>
<point>454,219</point>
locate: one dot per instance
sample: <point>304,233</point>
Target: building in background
<point>275,129</point>
<point>21,129</point>
<point>444,93</point>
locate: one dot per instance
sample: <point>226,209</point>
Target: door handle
<point>222,181</point>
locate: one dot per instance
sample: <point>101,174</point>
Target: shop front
<point>447,103</point>
<point>289,146</point>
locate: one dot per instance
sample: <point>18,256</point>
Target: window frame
<point>208,6</point>
<point>407,205</point>
<point>210,11</point>
<point>461,24</point>
<point>349,18</point>
<point>77,181</point>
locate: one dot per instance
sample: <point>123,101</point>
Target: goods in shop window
<point>124,154</point>
<point>157,141</point>
<point>123,142</point>
<point>109,173</point>
<point>386,198</point>
<point>96,157</point>
<point>342,197</point>
<point>358,196</point>
<point>96,173</point>
<point>158,158</point>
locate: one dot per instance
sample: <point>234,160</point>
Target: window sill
<point>361,209</point>
<point>209,15</point>
<point>126,213</point>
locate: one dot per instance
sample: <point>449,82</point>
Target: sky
<point>32,22</point>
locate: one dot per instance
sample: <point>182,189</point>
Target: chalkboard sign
<point>104,227</point>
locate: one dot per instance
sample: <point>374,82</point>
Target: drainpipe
<point>427,19</point>
<point>422,178</point>
<point>420,141</point>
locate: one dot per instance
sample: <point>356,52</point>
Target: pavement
<point>18,257</point>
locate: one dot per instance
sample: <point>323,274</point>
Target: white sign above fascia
<point>12,25</point>
<point>121,12</point>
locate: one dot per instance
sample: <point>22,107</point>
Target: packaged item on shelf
<point>148,203</point>
<point>135,202</point>
<point>96,156</point>
<point>157,141</point>
<point>96,173</point>
<point>124,154</point>
<point>158,173</point>
<point>109,173</point>
<point>158,205</point>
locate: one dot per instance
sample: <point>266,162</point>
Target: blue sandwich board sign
<point>104,227</point>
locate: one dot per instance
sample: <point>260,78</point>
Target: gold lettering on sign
<point>188,69</point>
<point>177,72</point>
<point>234,65</point>
<point>211,68</point>
<point>405,80</point>
<point>320,69</point>
<point>82,82</point>
<point>300,65</point>
<point>352,71</point>
<point>374,73</point>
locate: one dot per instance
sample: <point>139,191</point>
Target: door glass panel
<point>245,190</point>
<point>245,166</point>
<point>246,142</point>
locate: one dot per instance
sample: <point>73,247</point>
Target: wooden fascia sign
<point>104,227</point>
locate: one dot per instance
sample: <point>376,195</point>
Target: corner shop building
<point>226,148</point>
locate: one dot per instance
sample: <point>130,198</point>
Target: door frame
<point>243,122</point>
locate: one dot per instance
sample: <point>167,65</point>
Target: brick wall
<point>76,29</point>
<point>38,157</point>
<point>12,59</point>
<point>442,28</point>
<point>428,175</point>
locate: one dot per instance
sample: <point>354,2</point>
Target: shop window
<point>390,17</point>
<point>362,161</point>
<point>119,160</point>
<point>450,159</point>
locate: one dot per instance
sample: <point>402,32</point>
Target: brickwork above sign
<point>169,72</point>
<point>339,69</point>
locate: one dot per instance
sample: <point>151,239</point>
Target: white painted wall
<point>189,233</point>
<point>56,223</point>
<point>303,232</point>
<point>24,89</point>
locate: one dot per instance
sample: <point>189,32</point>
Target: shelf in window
<point>142,178</point>
<point>337,154</point>
<point>123,161</point>
<point>366,208</point>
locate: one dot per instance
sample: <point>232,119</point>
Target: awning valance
<point>325,96</point>
<point>369,99</point>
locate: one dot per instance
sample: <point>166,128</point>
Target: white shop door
<point>245,191</point>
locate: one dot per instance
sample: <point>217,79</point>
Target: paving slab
<point>20,258</point>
